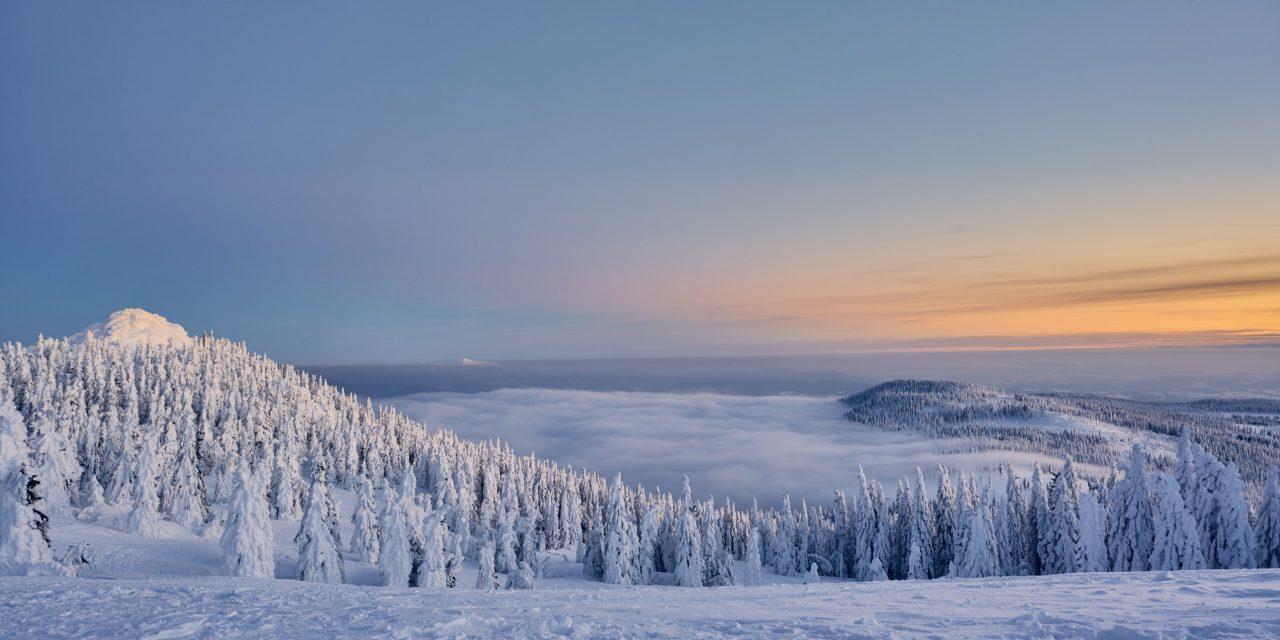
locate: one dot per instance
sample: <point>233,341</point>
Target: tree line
<point>221,441</point>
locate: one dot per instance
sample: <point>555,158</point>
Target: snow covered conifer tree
<point>920,535</point>
<point>247,538</point>
<point>726,568</point>
<point>1235,535</point>
<point>508,510</point>
<point>527,535</point>
<point>876,572</point>
<point>900,531</point>
<point>1091,552</point>
<point>811,576</point>
<point>882,546</point>
<point>978,556</point>
<point>570,519</point>
<point>144,518</point>
<point>621,564</point>
<point>24,528</point>
<point>915,559</point>
<point>319,559</point>
<point>650,534</point>
<point>91,497</point>
<point>1037,513</point>
<point>1267,546</point>
<point>688,544</point>
<point>120,484</point>
<point>717,571</point>
<point>843,531</point>
<point>1207,503</point>
<point>784,550</point>
<point>944,515</point>
<point>48,451</point>
<point>1060,536</point>
<point>187,507</point>
<point>864,530</point>
<point>752,575</point>
<point>803,532</point>
<point>1176,543</point>
<point>432,572</point>
<point>592,548</point>
<point>283,494</point>
<point>412,512</point>
<point>1011,527</point>
<point>1130,532</point>
<point>489,500</point>
<point>522,577</point>
<point>453,550</point>
<point>364,539</point>
<point>1185,471</point>
<point>395,558</point>
<point>486,576</point>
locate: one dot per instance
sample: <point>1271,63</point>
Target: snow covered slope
<point>1091,606</point>
<point>135,327</point>
<point>170,588</point>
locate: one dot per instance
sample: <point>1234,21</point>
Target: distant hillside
<point>1090,428</point>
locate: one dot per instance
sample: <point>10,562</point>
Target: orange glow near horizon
<point>1007,303</point>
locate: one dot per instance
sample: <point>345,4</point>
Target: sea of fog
<point>734,446</point>
<point>753,427</point>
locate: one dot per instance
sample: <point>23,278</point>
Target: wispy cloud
<point>1047,297</point>
<point>1208,301</point>
<point>1083,340</point>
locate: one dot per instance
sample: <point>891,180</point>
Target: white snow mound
<point>135,327</point>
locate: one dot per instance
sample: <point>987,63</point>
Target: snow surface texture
<point>135,327</point>
<point>1219,604</point>
<point>169,587</point>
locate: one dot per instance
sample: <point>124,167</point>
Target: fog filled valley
<point>140,464</point>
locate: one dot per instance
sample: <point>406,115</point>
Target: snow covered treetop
<point>135,327</point>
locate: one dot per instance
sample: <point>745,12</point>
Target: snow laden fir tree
<point>206,436</point>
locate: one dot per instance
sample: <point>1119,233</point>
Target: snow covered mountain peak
<point>136,327</point>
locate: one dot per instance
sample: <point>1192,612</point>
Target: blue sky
<point>341,182</point>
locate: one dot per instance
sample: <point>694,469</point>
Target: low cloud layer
<point>735,446</point>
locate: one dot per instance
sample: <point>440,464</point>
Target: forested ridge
<point>221,441</point>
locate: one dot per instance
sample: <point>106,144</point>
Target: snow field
<point>1198,604</point>
<point>169,587</point>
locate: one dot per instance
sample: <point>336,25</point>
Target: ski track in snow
<point>170,587</point>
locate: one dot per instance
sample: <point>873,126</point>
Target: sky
<point>417,181</point>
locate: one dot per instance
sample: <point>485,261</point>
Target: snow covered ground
<point>1203,604</point>
<point>169,588</point>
